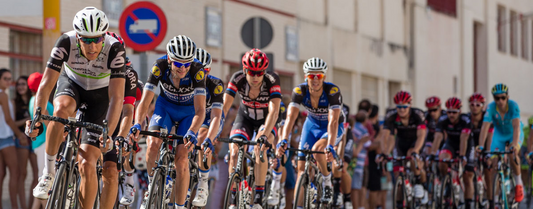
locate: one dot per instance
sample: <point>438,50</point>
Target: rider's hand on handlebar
<point>262,140</point>
<point>36,131</point>
<point>108,144</point>
<point>208,147</point>
<point>135,130</point>
<point>330,153</point>
<point>190,139</point>
<point>281,147</point>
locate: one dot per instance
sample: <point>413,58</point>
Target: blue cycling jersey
<point>502,124</point>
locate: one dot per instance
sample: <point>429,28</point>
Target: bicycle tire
<point>155,197</point>
<point>55,199</point>
<point>99,180</point>
<point>234,179</point>
<point>76,180</point>
<point>478,198</point>
<point>302,189</point>
<point>192,185</point>
<point>318,184</point>
<point>399,186</point>
<point>447,188</point>
<point>431,191</point>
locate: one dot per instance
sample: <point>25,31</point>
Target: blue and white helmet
<point>315,64</point>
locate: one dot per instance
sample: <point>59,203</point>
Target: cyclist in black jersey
<point>432,116</point>
<point>458,144</point>
<point>94,74</point>
<point>278,168</point>
<point>408,124</point>
<point>259,111</point>
<point>211,127</point>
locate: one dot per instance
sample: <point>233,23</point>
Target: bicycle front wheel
<point>399,195</point>
<point>155,191</point>
<point>447,193</point>
<point>233,182</point>
<point>303,193</point>
<point>56,199</point>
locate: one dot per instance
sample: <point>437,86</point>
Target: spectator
<point>374,179</point>
<point>21,101</point>
<point>362,138</point>
<point>33,84</point>
<point>8,129</point>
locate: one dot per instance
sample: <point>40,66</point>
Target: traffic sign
<point>143,25</point>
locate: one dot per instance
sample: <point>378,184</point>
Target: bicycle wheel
<point>478,191</point>
<point>234,180</point>
<point>431,190</point>
<point>99,191</point>
<point>156,189</point>
<point>58,189</point>
<point>73,190</point>
<point>302,191</point>
<point>399,195</point>
<point>447,193</point>
<point>498,192</point>
<point>192,186</point>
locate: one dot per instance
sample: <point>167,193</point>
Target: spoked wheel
<point>303,193</point>
<point>399,195</point>
<point>504,193</point>
<point>156,191</point>
<point>447,193</point>
<point>73,190</point>
<point>234,181</point>
<point>58,189</point>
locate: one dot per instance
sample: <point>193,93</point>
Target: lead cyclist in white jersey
<point>94,66</point>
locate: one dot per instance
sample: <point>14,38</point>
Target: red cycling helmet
<point>402,97</point>
<point>454,103</point>
<point>117,37</point>
<point>255,60</point>
<point>477,97</point>
<point>433,101</point>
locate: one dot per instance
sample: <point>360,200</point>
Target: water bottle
<point>168,188</point>
<point>508,186</point>
<point>408,190</point>
<point>480,186</point>
<point>456,188</point>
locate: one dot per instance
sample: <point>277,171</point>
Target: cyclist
<point>94,74</point>
<point>504,114</point>
<point>477,104</point>
<point>458,144</point>
<point>323,127</point>
<point>211,127</point>
<point>182,100</point>
<point>261,97</point>
<point>408,124</point>
<point>278,167</point>
<point>433,114</point>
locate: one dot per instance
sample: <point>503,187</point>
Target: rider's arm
<point>516,132</point>
<point>465,135</point>
<point>272,117</point>
<point>483,134</point>
<point>128,108</point>
<point>333,125</point>
<point>199,97</point>
<point>117,82</point>
<point>292,114</point>
<point>127,119</point>
<point>228,101</point>
<point>437,140</point>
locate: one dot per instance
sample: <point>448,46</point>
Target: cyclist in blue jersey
<point>504,114</point>
<point>211,127</point>
<point>323,127</point>
<point>182,100</point>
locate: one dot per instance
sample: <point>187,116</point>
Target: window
<point>28,44</point>
<point>502,30</point>
<point>448,7</point>
<point>524,38</point>
<point>514,33</point>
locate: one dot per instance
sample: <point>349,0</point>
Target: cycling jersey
<point>254,109</point>
<point>88,74</point>
<point>431,125</point>
<point>252,112</point>
<point>406,135</point>
<point>316,123</point>
<point>454,131</point>
<point>214,99</point>
<point>476,129</point>
<point>192,84</point>
<point>282,114</point>
<point>503,125</point>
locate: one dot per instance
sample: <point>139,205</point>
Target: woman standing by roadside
<point>8,129</point>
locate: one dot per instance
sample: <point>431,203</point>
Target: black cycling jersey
<point>431,125</point>
<point>403,132</point>
<point>190,85</point>
<point>257,108</point>
<point>476,130</point>
<point>88,74</point>
<point>453,131</point>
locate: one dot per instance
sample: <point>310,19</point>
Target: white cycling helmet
<point>315,64</point>
<point>181,48</point>
<point>90,22</point>
<point>204,57</point>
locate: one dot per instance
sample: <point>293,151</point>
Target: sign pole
<point>51,27</point>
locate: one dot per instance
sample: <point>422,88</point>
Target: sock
<point>468,203</point>
<point>518,179</point>
<point>150,178</point>
<point>129,177</point>
<point>170,205</point>
<point>277,180</point>
<point>336,185</point>
<point>204,175</point>
<point>327,180</point>
<point>347,197</point>
<point>179,206</point>
<point>233,199</point>
<point>259,190</point>
<point>49,164</point>
<point>282,185</point>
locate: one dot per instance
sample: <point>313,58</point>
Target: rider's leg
<point>64,106</point>
<point>321,145</point>
<point>128,196</point>
<point>301,169</point>
<point>182,174</point>
<point>469,186</point>
<point>260,171</point>
<point>88,156</point>
<point>202,191</point>
<point>110,180</point>
<point>152,153</point>
<point>346,180</point>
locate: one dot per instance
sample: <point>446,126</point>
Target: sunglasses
<point>402,106</point>
<point>7,79</point>
<point>433,110</point>
<point>452,111</point>
<point>315,76</point>
<point>179,64</point>
<point>255,73</point>
<point>95,40</point>
<point>476,104</point>
<point>500,98</point>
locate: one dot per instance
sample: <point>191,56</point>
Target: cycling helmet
<point>255,60</point>
<point>402,97</point>
<point>117,37</point>
<point>181,48</point>
<point>204,57</point>
<point>433,101</point>
<point>315,64</point>
<point>90,22</point>
<point>453,103</point>
<point>500,89</point>
<point>477,97</point>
